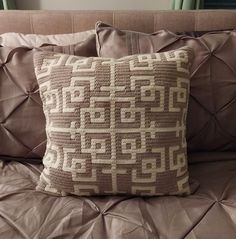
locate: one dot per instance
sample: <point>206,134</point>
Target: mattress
<point>210,212</point>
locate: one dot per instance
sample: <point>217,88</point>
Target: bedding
<point>115,126</point>
<point>208,213</point>
<point>115,43</point>
<point>210,124</point>
<point>28,214</point>
<point>14,39</point>
<point>22,122</point>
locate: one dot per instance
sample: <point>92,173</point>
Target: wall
<point>94,4</point>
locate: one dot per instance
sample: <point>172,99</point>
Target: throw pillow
<point>115,126</point>
<point>13,39</point>
<point>22,122</point>
<point>115,43</point>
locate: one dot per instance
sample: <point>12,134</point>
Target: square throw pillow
<point>213,79</point>
<point>22,122</point>
<point>115,126</point>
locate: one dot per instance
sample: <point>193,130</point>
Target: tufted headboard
<point>54,22</point>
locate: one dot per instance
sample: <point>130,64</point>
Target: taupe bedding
<point>27,214</point>
<point>210,213</point>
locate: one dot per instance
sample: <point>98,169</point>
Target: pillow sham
<point>22,122</point>
<point>212,97</point>
<point>13,39</point>
<point>115,126</point>
<point>115,43</point>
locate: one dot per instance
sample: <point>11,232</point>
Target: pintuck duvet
<point>28,214</point>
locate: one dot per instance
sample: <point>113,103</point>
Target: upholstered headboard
<point>53,22</point>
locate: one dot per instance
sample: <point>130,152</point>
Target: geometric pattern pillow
<point>115,126</point>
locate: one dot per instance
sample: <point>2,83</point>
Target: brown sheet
<point>25,213</point>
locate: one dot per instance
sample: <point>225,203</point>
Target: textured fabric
<point>28,214</point>
<point>113,42</point>
<point>210,124</point>
<point>115,126</point>
<point>13,39</point>
<point>22,122</point>
<point>186,4</point>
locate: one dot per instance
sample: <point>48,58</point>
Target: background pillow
<point>12,39</point>
<point>112,42</point>
<point>210,124</point>
<point>115,126</point>
<point>22,122</point>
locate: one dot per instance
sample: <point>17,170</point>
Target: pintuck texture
<point>120,217</point>
<point>210,124</point>
<point>22,122</point>
<point>115,126</point>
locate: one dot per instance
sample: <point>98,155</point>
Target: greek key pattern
<point>115,126</point>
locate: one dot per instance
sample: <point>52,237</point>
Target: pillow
<point>12,39</point>
<point>22,122</point>
<point>210,125</point>
<point>112,42</point>
<point>115,126</point>
<point>116,43</point>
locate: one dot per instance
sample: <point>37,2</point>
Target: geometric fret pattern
<point>115,126</point>
<point>212,101</point>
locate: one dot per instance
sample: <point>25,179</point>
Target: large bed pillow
<point>13,39</point>
<point>115,126</point>
<point>22,122</point>
<point>210,124</point>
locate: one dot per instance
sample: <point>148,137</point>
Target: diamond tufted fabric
<point>211,114</point>
<point>207,214</point>
<point>22,122</point>
<point>210,123</point>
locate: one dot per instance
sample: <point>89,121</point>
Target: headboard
<point>55,22</point>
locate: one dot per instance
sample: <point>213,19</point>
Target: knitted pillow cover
<point>115,126</point>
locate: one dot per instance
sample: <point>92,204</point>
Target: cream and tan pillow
<point>13,39</point>
<point>115,126</point>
